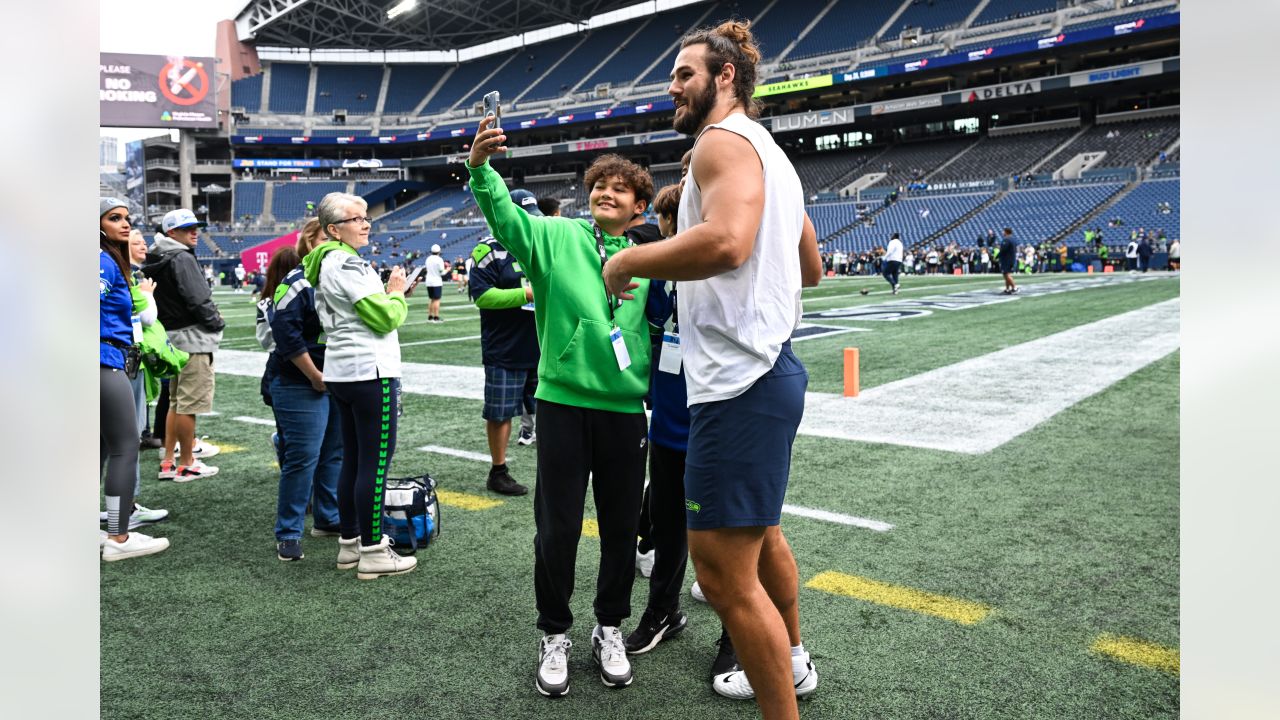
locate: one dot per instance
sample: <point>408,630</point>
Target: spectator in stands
<point>593,375</point>
<point>1008,261</point>
<point>509,348</point>
<point>307,416</point>
<point>362,373</point>
<point>893,262</point>
<point>740,278</point>
<point>549,206</point>
<point>118,436</point>
<point>194,324</point>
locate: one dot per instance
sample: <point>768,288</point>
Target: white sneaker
<point>204,449</point>
<point>527,437</point>
<point>609,653</point>
<point>102,538</point>
<point>136,545</point>
<point>380,560</point>
<point>140,516</point>
<point>552,678</point>
<point>167,469</point>
<point>348,553</point>
<point>196,470</point>
<point>735,686</point>
<point>696,592</point>
<point>644,562</point>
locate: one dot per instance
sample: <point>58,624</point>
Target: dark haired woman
<point>118,438</point>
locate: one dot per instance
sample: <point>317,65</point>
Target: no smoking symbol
<point>185,84</point>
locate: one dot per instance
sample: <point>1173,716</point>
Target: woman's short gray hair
<point>332,209</point>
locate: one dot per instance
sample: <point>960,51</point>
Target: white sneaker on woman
<point>135,545</point>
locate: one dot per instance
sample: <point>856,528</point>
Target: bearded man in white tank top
<point>743,249</point>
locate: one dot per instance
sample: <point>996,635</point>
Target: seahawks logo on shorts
<point>692,506</point>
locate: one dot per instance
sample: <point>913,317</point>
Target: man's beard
<point>695,111</point>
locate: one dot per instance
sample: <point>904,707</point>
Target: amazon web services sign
<point>156,91</point>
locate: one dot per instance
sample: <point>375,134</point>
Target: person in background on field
<point>893,262</point>
<point>118,437</point>
<point>592,378</point>
<point>194,325</point>
<point>362,373</point>
<point>460,274</point>
<point>433,279</point>
<point>240,276</point>
<point>1144,254</point>
<point>1008,261</point>
<point>1175,255</point>
<point>735,259</point>
<point>509,348</point>
<point>307,416</point>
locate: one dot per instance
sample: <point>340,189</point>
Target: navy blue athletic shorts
<point>740,450</point>
<point>434,292</point>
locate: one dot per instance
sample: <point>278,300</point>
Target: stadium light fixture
<point>401,8</point>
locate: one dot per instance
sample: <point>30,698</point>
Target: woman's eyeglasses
<point>357,218</point>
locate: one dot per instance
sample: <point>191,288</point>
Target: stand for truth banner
<point>154,91</point>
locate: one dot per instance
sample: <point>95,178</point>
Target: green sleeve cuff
<point>495,299</point>
<point>383,312</point>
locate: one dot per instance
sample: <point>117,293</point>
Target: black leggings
<point>118,446</point>
<point>162,409</point>
<point>611,446</point>
<point>368,412</point>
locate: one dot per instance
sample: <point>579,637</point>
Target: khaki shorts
<point>191,392</point>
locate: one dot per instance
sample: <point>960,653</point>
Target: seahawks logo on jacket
<point>487,251</point>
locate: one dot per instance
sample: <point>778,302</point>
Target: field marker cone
<point>851,372</point>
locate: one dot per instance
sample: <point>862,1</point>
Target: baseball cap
<point>180,218</point>
<point>526,201</point>
<point>435,249</point>
<point>107,204</point>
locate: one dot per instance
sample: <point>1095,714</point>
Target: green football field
<point>990,530</point>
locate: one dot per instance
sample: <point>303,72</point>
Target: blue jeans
<point>311,449</point>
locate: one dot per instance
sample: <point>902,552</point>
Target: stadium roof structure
<point>430,25</point>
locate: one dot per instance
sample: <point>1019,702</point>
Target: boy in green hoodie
<point>592,378</point>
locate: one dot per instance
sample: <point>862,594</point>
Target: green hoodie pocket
<point>587,363</point>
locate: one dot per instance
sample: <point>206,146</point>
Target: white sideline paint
<point>979,404</point>
<point>877,525</point>
<point>464,454</point>
<point>254,420</point>
<point>418,378</point>
<point>1004,393</point>
<point>436,342</point>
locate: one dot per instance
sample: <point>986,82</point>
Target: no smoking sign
<point>184,84</point>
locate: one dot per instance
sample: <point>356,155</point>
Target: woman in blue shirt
<point>116,336</point>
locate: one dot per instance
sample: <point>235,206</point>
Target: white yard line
<point>417,378</point>
<point>979,404</point>
<point>254,420</point>
<point>436,342</point>
<point>464,454</point>
<point>842,519</point>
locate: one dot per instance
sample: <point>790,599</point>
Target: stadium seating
<point>912,161</point>
<point>288,87</point>
<point>819,170</point>
<point>353,87</point>
<point>659,35</point>
<point>409,84</point>
<point>450,198</point>
<point>528,65</point>
<point>999,10</point>
<point>1002,156</point>
<point>844,27</point>
<point>1140,210</point>
<point>289,201</point>
<point>340,132</point>
<point>931,15</point>
<point>463,80</point>
<point>1116,19</point>
<point>913,218</point>
<point>1036,214</point>
<point>248,197</point>
<point>997,42</point>
<point>247,93</point>
<point>581,61</point>
<point>1132,143</point>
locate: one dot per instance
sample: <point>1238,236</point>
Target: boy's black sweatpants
<point>610,446</point>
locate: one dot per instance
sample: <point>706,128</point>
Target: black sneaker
<point>726,659</point>
<point>288,550</point>
<point>501,482</point>
<point>653,629</point>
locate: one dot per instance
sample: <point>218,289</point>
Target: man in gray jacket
<point>185,306</point>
